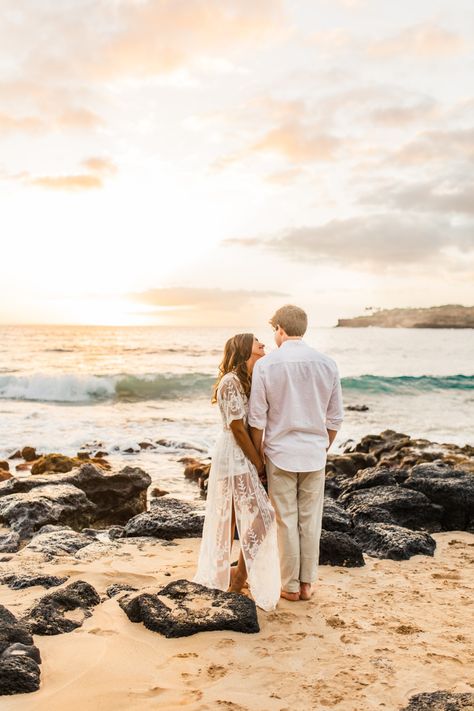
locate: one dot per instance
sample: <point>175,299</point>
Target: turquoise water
<point>64,387</point>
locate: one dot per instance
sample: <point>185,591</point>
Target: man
<point>296,398</point>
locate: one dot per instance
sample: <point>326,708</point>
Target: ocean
<point>67,387</point>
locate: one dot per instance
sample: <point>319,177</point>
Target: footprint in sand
<point>335,621</point>
<point>406,629</point>
<point>451,575</point>
<point>285,618</point>
<point>226,642</point>
<point>230,705</point>
<point>215,671</point>
<point>184,655</point>
<point>188,698</point>
<point>102,633</point>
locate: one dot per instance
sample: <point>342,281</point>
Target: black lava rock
<point>117,588</point>
<point>183,608</point>
<point>19,658</point>
<point>46,617</point>
<point>335,518</point>
<point>85,496</point>
<point>336,548</point>
<point>10,542</point>
<point>25,512</point>
<point>18,582</point>
<point>440,701</point>
<point>384,540</point>
<point>453,489</point>
<point>406,507</point>
<point>58,540</point>
<point>167,518</point>
<point>368,478</point>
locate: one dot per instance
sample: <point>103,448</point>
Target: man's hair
<point>292,319</point>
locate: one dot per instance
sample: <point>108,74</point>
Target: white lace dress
<point>234,478</point>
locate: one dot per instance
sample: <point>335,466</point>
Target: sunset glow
<point>316,152</point>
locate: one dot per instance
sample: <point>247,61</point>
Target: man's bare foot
<point>306,591</point>
<point>292,596</point>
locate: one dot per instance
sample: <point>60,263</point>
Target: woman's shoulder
<point>227,379</point>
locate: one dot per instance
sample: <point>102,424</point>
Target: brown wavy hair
<point>237,351</point>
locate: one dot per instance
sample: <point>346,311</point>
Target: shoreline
<point>369,639</point>
<point>384,624</point>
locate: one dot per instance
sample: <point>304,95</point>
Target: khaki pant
<point>297,498</point>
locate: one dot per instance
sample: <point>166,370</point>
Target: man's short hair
<point>292,319</point>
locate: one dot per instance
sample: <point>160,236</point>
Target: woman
<point>235,492</point>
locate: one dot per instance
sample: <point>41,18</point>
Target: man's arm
<point>258,408</point>
<point>256,436</point>
<point>258,405</point>
<point>335,410</point>
<point>332,436</point>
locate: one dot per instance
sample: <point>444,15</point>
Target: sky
<point>179,162</point>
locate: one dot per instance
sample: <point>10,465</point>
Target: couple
<point>280,413</point>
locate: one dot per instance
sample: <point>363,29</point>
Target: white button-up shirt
<point>296,397</point>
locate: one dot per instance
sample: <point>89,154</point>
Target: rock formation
<point>449,316</point>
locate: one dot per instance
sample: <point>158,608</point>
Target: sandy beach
<point>370,638</point>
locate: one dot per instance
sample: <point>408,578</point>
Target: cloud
<point>298,143</point>
<point>284,177</point>
<point>424,40</point>
<point>25,124</point>
<point>396,115</point>
<point>100,165</point>
<point>449,197</point>
<point>294,133</point>
<point>374,242</point>
<point>332,41</point>
<point>58,67</point>
<point>79,118</point>
<point>67,182</point>
<point>70,118</point>
<point>447,145</point>
<point>155,37</point>
<point>97,169</point>
<point>194,298</point>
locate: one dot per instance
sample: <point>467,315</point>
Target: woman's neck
<point>250,363</point>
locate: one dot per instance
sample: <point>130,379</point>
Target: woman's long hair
<point>237,351</point>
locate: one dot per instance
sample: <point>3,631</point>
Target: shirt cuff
<point>334,424</point>
<point>258,424</point>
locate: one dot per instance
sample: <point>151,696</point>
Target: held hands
<point>260,464</point>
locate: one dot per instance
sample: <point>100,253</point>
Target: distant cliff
<point>450,316</point>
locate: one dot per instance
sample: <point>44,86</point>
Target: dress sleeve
<point>232,400</point>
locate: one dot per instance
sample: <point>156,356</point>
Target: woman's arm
<point>242,438</point>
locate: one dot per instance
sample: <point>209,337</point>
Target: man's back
<point>296,397</point>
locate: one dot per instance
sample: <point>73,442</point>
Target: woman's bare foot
<point>306,591</point>
<point>291,596</point>
<point>237,581</point>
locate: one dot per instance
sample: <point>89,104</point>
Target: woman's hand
<point>260,465</point>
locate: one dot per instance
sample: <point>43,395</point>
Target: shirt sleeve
<point>258,404</point>
<point>231,400</point>
<point>335,410</point>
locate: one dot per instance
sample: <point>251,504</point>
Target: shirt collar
<point>298,342</point>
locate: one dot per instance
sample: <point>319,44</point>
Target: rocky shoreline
<point>387,497</point>
<point>448,316</point>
